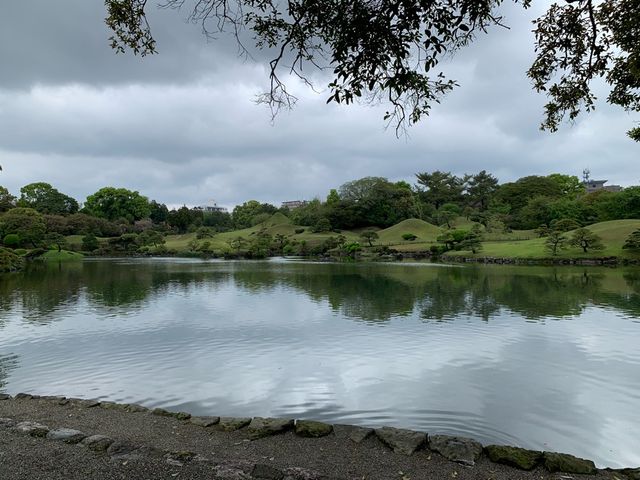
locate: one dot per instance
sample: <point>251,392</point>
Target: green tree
<point>243,214</point>
<point>116,203</point>
<point>372,47</point>
<point>569,185</point>
<point>151,237</point>
<point>586,239</point>
<point>27,223</point>
<point>555,242</point>
<point>45,199</point>
<point>369,236</point>
<point>205,232</point>
<point>452,238</point>
<point>333,198</point>
<point>158,212</point>
<point>53,239</point>
<point>7,201</point>
<point>633,241</point>
<point>472,240</point>
<point>323,225</point>
<point>437,188</point>
<point>361,189</point>
<point>90,243</point>
<point>480,189</point>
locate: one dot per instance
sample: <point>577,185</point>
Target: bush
<point>12,240</point>
<point>20,251</point>
<point>90,243</point>
<point>409,236</point>
<point>323,225</point>
<point>9,261</point>
<point>205,232</point>
<point>299,230</point>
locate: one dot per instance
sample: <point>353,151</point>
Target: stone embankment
<point>66,438</point>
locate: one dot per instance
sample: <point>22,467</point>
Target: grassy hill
<point>613,234</point>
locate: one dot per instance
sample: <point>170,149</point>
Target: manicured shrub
<point>409,237</point>
<point>11,240</point>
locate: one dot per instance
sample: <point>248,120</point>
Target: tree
<point>438,188</point>
<point>45,199</point>
<point>391,50</point>
<point>472,240</point>
<point>555,242</point>
<point>480,189</point>
<point>27,223</point>
<point>55,239</point>
<point>369,236</point>
<point>586,239</point>
<point>323,225</point>
<point>452,238</point>
<point>7,201</point>
<point>243,214</point>
<point>151,237</point>
<point>359,190</point>
<point>570,185</point>
<point>633,241</point>
<point>158,212</point>
<point>116,203</point>
<point>90,243</point>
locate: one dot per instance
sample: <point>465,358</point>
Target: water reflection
<point>372,293</point>
<point>467,350</point>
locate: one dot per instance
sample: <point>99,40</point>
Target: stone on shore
<point>67,435</point>
<point>401,440</point>
<point>204,421</point>
<point>565,463</point>
<point>354,433</point>
<point>6,423</point>
<point>32,429</point>
<point>79,402</point>
<point>630,473</point>
<point>121,448</point>
<point>166,413</point>
<point>97,443</point>
<point>231,424</point>
<point>457,449</point>
<point>513,456</point>
<point>4,396</point>
<point>313,429</point>
<point>265,427</point>
<point>135,408</point>
<point>23,396</point>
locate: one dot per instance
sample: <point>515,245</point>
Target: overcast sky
<point>181,126</point>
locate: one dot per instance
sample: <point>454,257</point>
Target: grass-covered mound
<point>9,261</point>
<point>62,256</point>
<point>424,231</point>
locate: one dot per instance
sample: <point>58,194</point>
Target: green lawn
<point>613,234</point>
<point>63,256</point>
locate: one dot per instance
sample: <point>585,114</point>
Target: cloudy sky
<point>181,126</point>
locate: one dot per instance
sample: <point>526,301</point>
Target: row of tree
<point>437,197</point>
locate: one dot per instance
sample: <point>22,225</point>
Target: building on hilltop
<point>294,204</point>
<point>597,185</point>
<point>211,207</point>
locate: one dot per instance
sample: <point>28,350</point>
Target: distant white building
<point>212,207</point>
<point>294,204</point>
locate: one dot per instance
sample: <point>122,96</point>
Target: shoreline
<point>295,449</point>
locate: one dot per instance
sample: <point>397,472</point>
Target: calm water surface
<point>539,357</point>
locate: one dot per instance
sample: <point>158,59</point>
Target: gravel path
<point>151,446</point>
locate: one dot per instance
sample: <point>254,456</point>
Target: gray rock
<point>121,448</point>
<point>513,456</point>
<point>181,456</point>
<point>6,423</point>
<point>63,401</point>
<point>268,472</point>
<point>264,427</point>
<point>458,449</point>
<point>309,428</point>
<point>182,415</point>
<point>4,396</point>
<point>23,396</point>
<point>353,433</point>
<point>97,443</point>
<point>204,421</point>
<point>53,398</point>
<point>32,429</point>
<point>135,408</point>
<point>161,412</point>
<point>400,440</point>
<point>66,435</point>
<point>225,472</point>
<point>84,403</point>
<point>108,405</point>
<point>230,424</point>
<point>563,462</point>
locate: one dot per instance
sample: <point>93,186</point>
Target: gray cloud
<point>181,126</point>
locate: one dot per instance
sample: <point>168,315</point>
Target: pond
<point>539,357</point>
